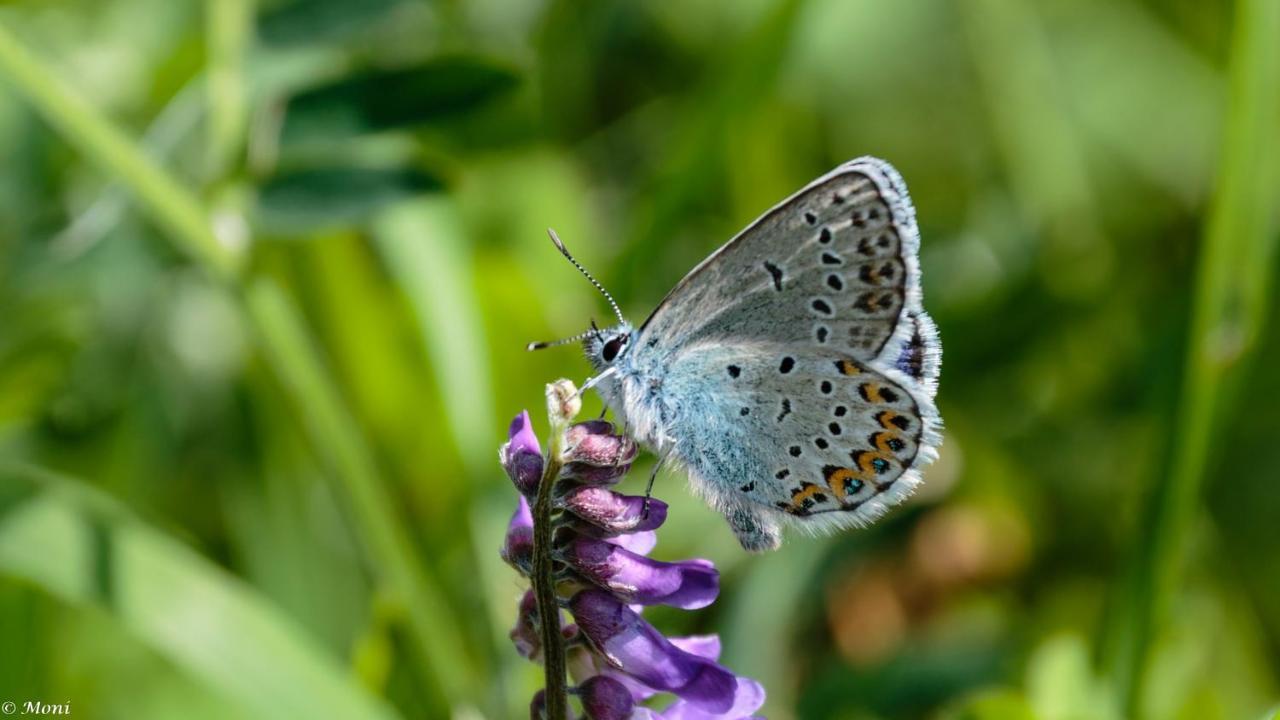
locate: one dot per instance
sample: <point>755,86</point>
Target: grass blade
<point>93,552</point>
<point>94,135</point>
<point>1230,301</point>
<point>293,356</point>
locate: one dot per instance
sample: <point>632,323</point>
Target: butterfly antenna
<point>557,343</point>
<point>565,251</point>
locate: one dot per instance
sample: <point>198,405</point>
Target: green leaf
<point>325,197</point>
<point>438,90</point>
<point>317,21</point>
<point>84,549</point>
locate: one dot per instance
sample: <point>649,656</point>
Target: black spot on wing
<point>775,272</point>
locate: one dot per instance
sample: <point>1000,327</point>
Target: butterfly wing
<point>798,364</point>
<point>833,266</point>
<point>772,432</point>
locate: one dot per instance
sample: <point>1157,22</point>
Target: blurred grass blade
<point>83,548</point>
<point>93,134</point>
<point>425,251</point>
<point>1230,304</point>
<point>230,23</point>
<point>294,357</point>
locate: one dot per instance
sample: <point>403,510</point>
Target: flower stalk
<point>562,406</point>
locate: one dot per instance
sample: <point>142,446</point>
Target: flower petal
<point>614,512</point>
<point>748,698</point>
<point>635,578</point>
<point>704,646</point>
<point>640,543</point>
<point>521,456</point>
<point>635,647</point>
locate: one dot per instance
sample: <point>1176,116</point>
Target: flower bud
<point>595,455</point>
<point>612,512</point>
<point>521,456</point>
<point>563,402</point>
<point>525,635</point>
<point>595,443</point>
<point>517,548</point>
<point>538,706</point>
<point>604,698</point>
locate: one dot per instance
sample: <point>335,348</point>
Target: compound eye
<point>612,347</point>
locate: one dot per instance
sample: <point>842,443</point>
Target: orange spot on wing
<point>886,419</point>
<point>847,368</point>
<point>806,492</point>
<point>871,392</point>
<point>881,441</point>
<point>837,477</point>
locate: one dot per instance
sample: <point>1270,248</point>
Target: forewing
<point>833,266</point>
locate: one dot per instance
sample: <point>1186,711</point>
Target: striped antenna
<point>593,330</point>
<point>557,343</point>
<point>565,251</point>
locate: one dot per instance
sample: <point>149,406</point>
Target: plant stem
<point>544,581</point>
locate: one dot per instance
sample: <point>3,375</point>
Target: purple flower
<point>601,540</point>
<point>525,633</point>
<point>517,549</point>
<point>595,455</point>
<point>521,456</point>
<point>612,512</point>
<point>630,644</point>
<point>634,578</point>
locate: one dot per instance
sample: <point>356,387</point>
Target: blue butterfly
<point>793,372</point>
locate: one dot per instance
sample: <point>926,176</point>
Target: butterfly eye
<point>612,347</point>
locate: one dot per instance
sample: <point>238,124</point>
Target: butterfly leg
<point>648,490</point>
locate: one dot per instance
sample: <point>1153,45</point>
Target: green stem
<point>1230,301</point>
<point>543,573</point>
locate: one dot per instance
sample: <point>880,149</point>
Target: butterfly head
<point>604,348</point>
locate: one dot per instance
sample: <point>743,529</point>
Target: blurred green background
<point>267,269</point>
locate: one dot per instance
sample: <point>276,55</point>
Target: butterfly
<point>792,373</point>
